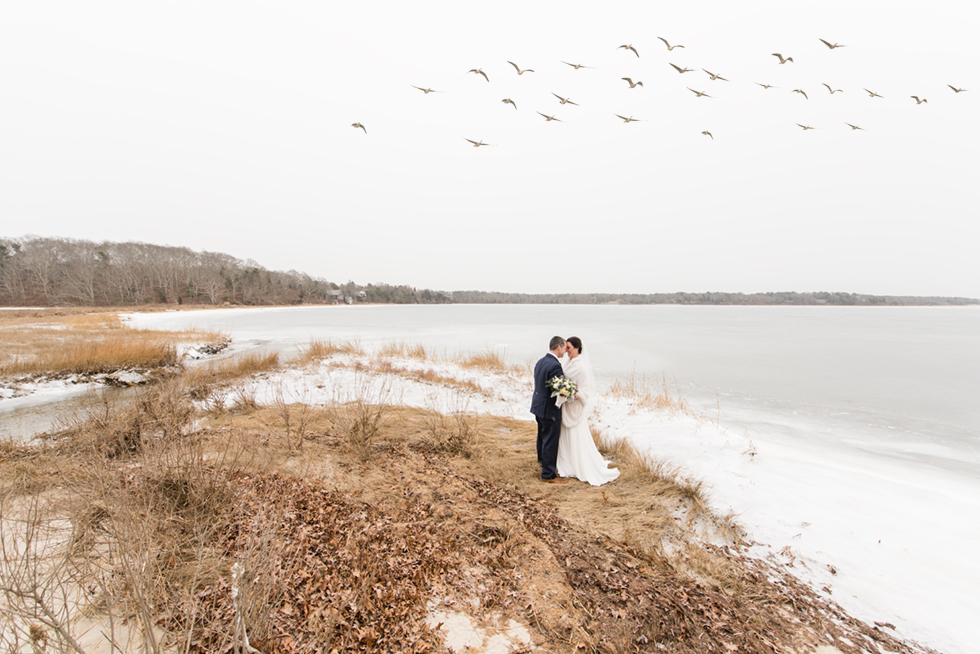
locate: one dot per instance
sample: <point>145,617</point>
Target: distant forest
<point>772,298</point>
<point>36,271</point>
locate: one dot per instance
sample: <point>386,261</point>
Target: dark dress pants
<point>549,432</point>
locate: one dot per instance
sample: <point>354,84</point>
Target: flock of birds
<point>680,70</point>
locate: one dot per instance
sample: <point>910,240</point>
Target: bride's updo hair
<point>576,342</point>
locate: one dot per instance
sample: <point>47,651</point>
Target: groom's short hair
<point>556,341</point>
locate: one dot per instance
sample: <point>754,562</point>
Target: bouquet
<point>562,388</point>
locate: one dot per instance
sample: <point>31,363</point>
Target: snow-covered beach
<point>888,537</point>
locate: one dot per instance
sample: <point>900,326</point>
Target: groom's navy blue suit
<point>547,414</point>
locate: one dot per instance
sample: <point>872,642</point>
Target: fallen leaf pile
<point>326,570</point>
<point>339,573</point>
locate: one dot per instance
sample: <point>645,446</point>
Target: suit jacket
<point>542,404</point>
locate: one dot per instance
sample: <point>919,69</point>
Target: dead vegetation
<point>485,360</point>
<point>166,529</point>
<point>204,379</point>
<point>318,349</point>
<point>403,350</point>
<point>58,344</point>
<point>653,395</point>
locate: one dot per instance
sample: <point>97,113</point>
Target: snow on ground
<point>31,392</point>
<point>830,515</point>
<point>891,541</point>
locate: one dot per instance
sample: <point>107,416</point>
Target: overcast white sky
<point>226,126</point>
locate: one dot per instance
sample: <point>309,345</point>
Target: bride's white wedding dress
<point>577,453</point>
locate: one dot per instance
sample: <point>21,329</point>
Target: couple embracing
<point>565,445</point>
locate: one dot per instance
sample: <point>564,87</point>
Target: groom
<point>546,413</point>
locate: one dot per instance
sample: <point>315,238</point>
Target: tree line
<point>760,299</point>
<point>37,271</point>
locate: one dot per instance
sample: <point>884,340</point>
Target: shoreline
<point>712,447</point>
<point>404,385</point>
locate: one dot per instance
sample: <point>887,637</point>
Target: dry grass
<point>318,349</point>
<point>86,343</point>
<point>204,379</point>
<point>655,396</point>
<point>456,432</point>
<point>485,360</point>
<point>107,354</point>
<point>405,350</point>
<point>636,466</point>
<point>427,375</point>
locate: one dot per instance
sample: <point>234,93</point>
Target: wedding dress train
<point>577,454</point>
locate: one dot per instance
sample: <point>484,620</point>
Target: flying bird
<point>833,91</point>
<point>873,94</point>
<point>477,144</point>
<point>518,68</point>
<point>714,77</point>
<point>806,127</point>
<point>355,125</point>
<point>835,45</point>
<point>917,100</point>
<point>564,100</point>
<point>669,46</point>
<point>709,134</point>
<point>698,93</point>
<point>629,47</point>
<point>628,120</point>
<point>683,70</point>
<point>575,66</point>
<point>509,101</point>
<point>800,91</point>
<point>633,84</point>
<point>956,89</point>
<point>853,127</point>
<point>782,60</point>
<point>426,91</point>
<point>766,86</point>
<point>548,119</point>
<point>478,71</point>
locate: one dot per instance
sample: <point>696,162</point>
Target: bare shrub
<point>118,428</point>
<point>452,432</point>
<point>295,416</point>
<point>361,410</point>
<point>146,533</point>
<point>243,400</point>
<point>37,597</point>
<point>258,577</point>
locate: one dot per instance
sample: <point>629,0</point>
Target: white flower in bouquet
<point>562,389</point>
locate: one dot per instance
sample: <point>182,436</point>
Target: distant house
<point>335,297</point>
<point>361,295</point>
<point>348,299</point>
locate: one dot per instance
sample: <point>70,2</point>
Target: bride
<point>577,453</point>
